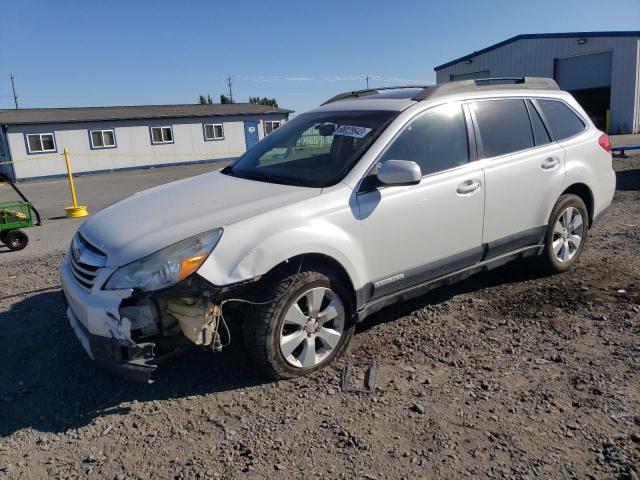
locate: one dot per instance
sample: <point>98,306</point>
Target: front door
<point>250,133</point>
<point>413,234</point>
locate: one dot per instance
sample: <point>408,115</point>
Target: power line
<point>13,87</point>
<point>331,78</point>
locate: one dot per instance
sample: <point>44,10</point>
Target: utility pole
<point>367,82</point>
<point>230,83</point>
<point>13,86</point>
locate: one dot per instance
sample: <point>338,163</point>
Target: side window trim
<point>529,104</point>
<point>470,151</point>
<point>545,121</point>
<point>472,143</point>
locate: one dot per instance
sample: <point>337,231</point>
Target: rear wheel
<point>15,240</point>
<point>566,233</point>
<point>306,327</point>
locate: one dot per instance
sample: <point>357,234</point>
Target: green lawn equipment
<point>14,216</point>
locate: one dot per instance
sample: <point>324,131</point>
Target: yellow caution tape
<point>44,157</point>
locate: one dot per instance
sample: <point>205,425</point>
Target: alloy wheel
<point>568,233</point>
<point>312,328</point>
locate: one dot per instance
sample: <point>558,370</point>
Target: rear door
<point>524,173</point>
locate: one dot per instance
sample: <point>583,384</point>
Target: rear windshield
<point>312,150</point>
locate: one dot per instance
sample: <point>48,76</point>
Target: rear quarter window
<point>563,121</point>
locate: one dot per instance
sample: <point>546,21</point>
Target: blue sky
<point>82,53</point>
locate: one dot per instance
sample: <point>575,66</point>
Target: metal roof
<point>97,114</point>
<point>528,36</point>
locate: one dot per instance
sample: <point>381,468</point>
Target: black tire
<point>3,236</point>
<point>551,263</point>
<point>16,240</point>
<point>261,331</point>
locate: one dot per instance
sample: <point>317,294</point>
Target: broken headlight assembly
<point>166,267</point>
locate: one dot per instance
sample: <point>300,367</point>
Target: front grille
<point>85,261</point>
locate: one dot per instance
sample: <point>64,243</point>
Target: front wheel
<point>306,327</point>
<point>566,233</point>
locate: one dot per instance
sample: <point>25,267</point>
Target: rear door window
<point>540,134</point>
<point>564,122</point>
<point>504,126</point>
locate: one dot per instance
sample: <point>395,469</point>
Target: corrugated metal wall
<point>535,57</point>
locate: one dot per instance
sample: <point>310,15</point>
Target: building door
<point>5,167</point>
<point>588,79</point>
<point>250,133</point>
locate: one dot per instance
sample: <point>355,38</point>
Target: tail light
<point>605,142</point>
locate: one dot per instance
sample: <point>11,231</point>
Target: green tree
<point>269,102</point>
<point>202,100</point>
<point>225,99</point>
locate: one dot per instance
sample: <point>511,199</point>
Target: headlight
<point>166,267</point>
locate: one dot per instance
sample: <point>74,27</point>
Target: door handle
<point>550,163</point>
<point>468,186</point>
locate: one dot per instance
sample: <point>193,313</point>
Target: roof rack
<point>515,83</point>
<point>369,91</point>
<point>430,91</point>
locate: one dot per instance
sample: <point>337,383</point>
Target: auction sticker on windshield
<point>351,131</point>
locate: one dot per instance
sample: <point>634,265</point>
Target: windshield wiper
<point>263,177</point>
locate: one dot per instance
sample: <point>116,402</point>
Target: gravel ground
<point>505,375</point>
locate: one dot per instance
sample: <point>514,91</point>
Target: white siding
<point>535,57</point>
<point>133,144</point>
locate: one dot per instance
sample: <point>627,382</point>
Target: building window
<point>270,126</point>
<point>41,142</point>
<point>161,135</point>
<point>214,131</point>
<point>103,138</point>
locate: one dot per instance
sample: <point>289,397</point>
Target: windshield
<point>312,150</point>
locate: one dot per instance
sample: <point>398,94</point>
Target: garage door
<point>584,71</point>
<point>588,79</point>
<point>471,76</point>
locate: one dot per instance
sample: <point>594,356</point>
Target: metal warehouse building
<point>115,138</point>
<point>600,69</point>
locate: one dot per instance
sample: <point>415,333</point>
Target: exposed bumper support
<point>128,359</point>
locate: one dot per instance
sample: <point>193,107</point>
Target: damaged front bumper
<point>130,333</point>
<point>104,335</point>
<point>128,359</point>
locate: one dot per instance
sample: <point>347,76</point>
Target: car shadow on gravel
<point>48,383</point>
<point>515,272</point>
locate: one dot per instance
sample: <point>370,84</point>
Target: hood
<point>156,218</point>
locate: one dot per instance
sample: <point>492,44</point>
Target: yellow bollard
<point>76,211</point>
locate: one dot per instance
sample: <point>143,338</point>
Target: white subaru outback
<point>375,197</point>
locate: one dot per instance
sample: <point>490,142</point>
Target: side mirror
<point>399,172</point>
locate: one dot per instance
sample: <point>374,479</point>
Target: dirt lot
<point>506,375</point>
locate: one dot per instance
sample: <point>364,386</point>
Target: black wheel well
<point>584,192</point>
<point>313,261</point>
